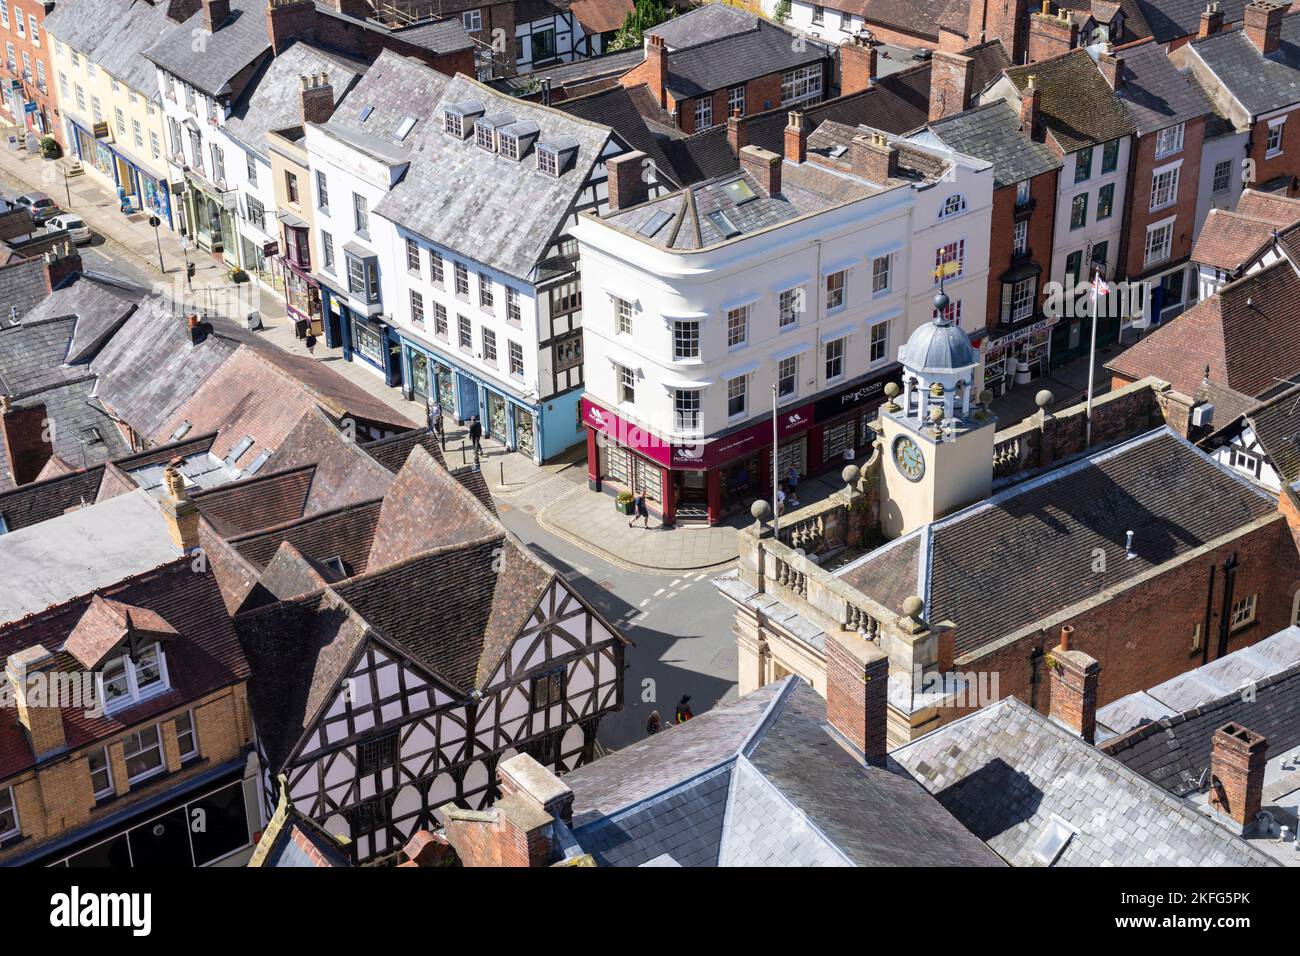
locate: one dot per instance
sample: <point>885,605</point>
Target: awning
<point>289,219</point>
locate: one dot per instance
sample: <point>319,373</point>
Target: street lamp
<point>155,222</point>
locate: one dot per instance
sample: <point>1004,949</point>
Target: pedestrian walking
<point>684,709</point>
<point>792,479</point>
<point>654,724</point>
<point>476,435</point>
<point>639,510</point>
<point>311,345</point>
<point>435,415</point>
<point>780,500</point>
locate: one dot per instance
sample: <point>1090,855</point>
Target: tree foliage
<point>645,15</point>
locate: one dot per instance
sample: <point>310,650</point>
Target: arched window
<point>954,204</point>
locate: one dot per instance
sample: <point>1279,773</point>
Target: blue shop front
<point>132,179</point>
<point>538,430</point>
<point>364,339</point>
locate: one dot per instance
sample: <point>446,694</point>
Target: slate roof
<point>386,93</point>
<point>1172,19</point>
<point>992,133</point>
<point>272,100</point>
<point>32,355</point>
<point>1156,93</point>
<point>1210,684</point>
<point>439,36</point>
<point>896,104</point>
<point>573,74</point>
<point>1076,106</point>
<point>457,195</point>
<point>1173,497</point>
<point>616,108</point>
<point>23,284</point>
<point>1260,83</point>
<point>1007,772</point>
<point>241,40</point>
<point>1276,425</point>
<point>759,782</point>
<point>202,658</point>
<point>115,33</point>
<point>83,433</point>
<point>736,57</point>
<point>99,311</point>
<point>1248,335</point>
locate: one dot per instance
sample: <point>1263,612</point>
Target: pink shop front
<point>723,474</point>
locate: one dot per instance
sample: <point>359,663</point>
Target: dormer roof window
<point>554,156</point>
<point>514,140</point>
<point>458,118</point>
<point>123,644</point>
<point>486,128</point>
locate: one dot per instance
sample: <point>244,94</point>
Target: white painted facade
<point>1084,240</point>
<point>1222,152</point>
<point>555,39</point>
<point>1244,455</point>
<point>751,273</point>
<point>821,21</point>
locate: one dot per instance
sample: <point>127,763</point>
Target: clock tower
<point>937,453</point>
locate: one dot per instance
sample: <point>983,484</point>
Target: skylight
<point>256,464</point>
<point>739,191</point>
<point>182,430</point>
<point>405,126</point>
<point>240,448</point>
<point>1052,840</point>
<point>365,112</point>
<point>725,225</point>
<point>654,223</point>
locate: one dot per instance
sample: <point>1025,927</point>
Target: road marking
<point>659,592</point>
<point>676,581</point>
<point>644,603</point>
<point>685,586</point>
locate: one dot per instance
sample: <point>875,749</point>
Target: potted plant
<point>237,274</point>
<point>50,148</point>
<point>624,502</point>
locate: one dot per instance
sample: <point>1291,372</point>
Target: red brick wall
<point>42,53</point>
<point>1143,636</point>
<point>1042,190</point>
<point>1287,163</point>
<point>765,89</point>
<point>1141,165</point>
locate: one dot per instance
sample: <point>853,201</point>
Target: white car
<point>75,225</point>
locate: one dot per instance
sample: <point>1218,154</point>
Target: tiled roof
<point>256,503</point>
<point>921,18</point>
<point>1135,22</point>
<point>616,109</point>
<point>392,452</point>
<point>704,24</point>
<point>203,657</point>
<point>1174,751</point>
<point>273,101</point>
<point>1275,208</point>
<point>1078,108</point>
<point>293,839</point>
<point>1008,773</point>
<point>344,473</point>
<point>737,58</point>
<point>16,223</point>
<point>1229,240</point>
<point>1260,83</point>
<point>42,500</point>
<point>993,133</point>
<point>1169,494</point>
<point>1156,93</point>
<point>344,533</point>
<point>760,782</point>
<point>241,40</point>
<point>23,284</point>
<point>426,509</point>
<point>601,16</point>
<point>1277,427</point>
<point>458,195</point>
<point>1248,335</point>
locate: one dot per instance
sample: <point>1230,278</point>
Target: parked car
<point>75,225</point>
<point>41,205</point>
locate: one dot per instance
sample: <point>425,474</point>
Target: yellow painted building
<point>297,226</point>
<point>109,99</point>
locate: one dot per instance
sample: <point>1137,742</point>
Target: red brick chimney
<point>626,179</point>
<point>289,20</point>
<point>1263,25</point>
<point>796,139</point>
<point>951,81</point>
<point>1050,35</point>
<point>1111,65</point>
<point>215,14</point>
<point>656,56</point>
<point>1030,97</point>
<point>857,65</point>
<point>1211,20</point>
<point>873,158</point>
<point>61,263</point>
<point>857,693</point>
<point>997,20</point>
<point>765,166</point>
<point>317,98</point>
<point>737,134</point>
<point>1074,679</point>
<point>1237,773</point>
<point>24,433</point>
<point>518,830</point>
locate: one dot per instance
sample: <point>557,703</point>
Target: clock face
<point>908,457</point>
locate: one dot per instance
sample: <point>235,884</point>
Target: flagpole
<point>776,512</point>
<point>1092,358</point>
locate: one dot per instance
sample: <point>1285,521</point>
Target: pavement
<point>1068,385</point>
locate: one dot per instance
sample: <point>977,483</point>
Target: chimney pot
<point>1066,631</point>
<point>1029,100</point>
<point>737,131</point>
<point>857,66</point>
<point>179,511</point>
<point>1211,21</point>
<point>873,159</point>
<point>656,55</point>
<point>796,139</point>
<point>1050,35</point>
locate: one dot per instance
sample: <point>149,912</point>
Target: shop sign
<point>863,395</point>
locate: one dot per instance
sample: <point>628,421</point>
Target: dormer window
<point>547,161</point>
<point>509,146</point>
<point>515,139</point>
<point>484,137</point>
<point>123,681</point>
<point>451,122</point>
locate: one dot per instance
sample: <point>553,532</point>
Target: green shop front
<point>210,216</point>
